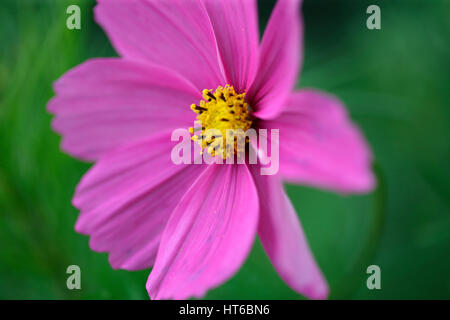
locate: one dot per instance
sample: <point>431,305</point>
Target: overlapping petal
<point>105,103</point>
<point>235,24</point>
<point>284,241</point>
<point>208,235</point>
<point>176,34</point>
<point>320,146</point>
<point>126,200</point>
<point>279,61</point>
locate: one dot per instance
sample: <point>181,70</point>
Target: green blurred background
<point>395,82</point>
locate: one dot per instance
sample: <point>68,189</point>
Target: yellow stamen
<point>221,111</point>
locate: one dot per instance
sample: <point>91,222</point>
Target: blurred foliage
<point>395,82</point>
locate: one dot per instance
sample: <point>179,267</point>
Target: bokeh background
<point>395,82</point>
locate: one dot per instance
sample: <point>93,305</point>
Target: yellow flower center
<point>218,112</point>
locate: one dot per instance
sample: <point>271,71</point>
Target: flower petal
<point>279,62</point>
<point>104,103</point>
<point>176,34</point>
<point>283,239</point>
<point>126,200</point>
<point>320,146</point>
<point>208,235</point>
<point>235,24</point>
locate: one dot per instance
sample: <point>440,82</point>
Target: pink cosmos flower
<point>195,224</point>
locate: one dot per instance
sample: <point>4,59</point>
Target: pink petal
<point>126,200</point>
<point>235,24</point>
<point>283,239</point>
<point>320,146</point>
<point>280,60</point>
<point>176,34</point>
<point>104,103</point>
<point>208,235</point>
